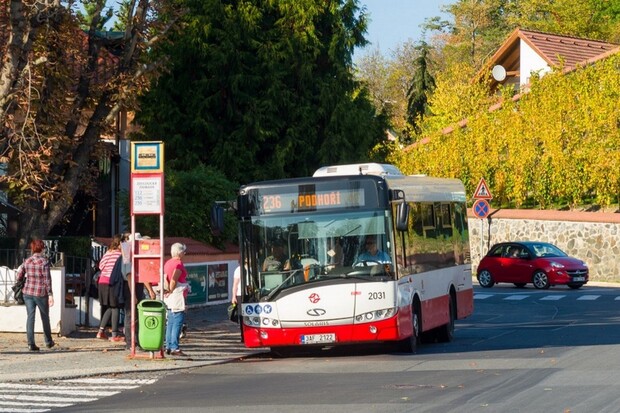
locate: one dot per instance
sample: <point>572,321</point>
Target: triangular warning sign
<point>482,191</point>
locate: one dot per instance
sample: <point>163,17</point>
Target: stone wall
<point>591,236</point>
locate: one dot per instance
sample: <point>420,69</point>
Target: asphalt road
<point>523,350</point>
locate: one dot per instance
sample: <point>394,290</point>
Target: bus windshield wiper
<point>280,287</point>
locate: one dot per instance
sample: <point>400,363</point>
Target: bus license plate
<point>579,278</point>
<point>318,338</point>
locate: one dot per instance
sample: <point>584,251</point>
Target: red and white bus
<point>309,280</point>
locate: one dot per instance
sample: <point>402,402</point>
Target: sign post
<point>146,198</point>
<point>481,207</point>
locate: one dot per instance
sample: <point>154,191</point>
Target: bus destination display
<point>305,200</point>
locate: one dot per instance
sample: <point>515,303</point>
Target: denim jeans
<point>173,329</point>
<point>32,302</point>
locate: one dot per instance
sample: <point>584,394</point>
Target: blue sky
<point>395,21</point>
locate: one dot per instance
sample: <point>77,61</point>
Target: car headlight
<point>556,264</point>
<point>584,263</point>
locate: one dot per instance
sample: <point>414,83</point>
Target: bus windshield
<point>296,249</point>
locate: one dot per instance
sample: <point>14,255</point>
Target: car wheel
<point>485,279</point>
<point>575,286</point>
<point>520,285</point>
<point>540,280</point>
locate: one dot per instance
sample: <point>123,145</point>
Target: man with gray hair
<point>176,278</point>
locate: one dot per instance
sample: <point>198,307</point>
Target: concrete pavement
<point>211,339</point>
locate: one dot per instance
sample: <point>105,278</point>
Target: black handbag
<point>233,313</point>
<point>93,292</point>
<point>18,293</point>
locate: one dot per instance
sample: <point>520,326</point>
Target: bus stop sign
<point>481,208</point>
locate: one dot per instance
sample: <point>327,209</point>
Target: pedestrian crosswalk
<point>43,397</point>
<point>541,297</point>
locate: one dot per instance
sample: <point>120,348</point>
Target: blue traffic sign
<point>481,208</point>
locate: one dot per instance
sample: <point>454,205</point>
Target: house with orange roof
<point>526,53</point>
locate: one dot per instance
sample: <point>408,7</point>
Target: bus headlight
<point>376,315</point>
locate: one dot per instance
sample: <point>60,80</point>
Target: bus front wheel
<point>410,344</point>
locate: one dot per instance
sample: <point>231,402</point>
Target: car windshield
<point>546,250</point>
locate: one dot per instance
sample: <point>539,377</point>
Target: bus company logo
<point>316,312</point>
<point>314,298</point>
<point>316,323</point>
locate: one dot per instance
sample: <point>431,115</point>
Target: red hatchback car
<point>539,263</point>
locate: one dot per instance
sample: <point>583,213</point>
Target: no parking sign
<point>481,208</point>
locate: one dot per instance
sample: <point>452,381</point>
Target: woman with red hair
<point>37,292</point>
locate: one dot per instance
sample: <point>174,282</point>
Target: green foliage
<point>455,98</point>
<point>559,143</point>
<point>74,246</point>
<point>189,196</point>
<point>122,16</point>
<point>388,81</point>
<point>476,30</point>
<point>422,85</point>
<point>263,89</point>
<point>94,9</point>
<point>593,19</point>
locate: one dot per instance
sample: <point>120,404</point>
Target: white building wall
<point>530,63</point>
<point>62,319</point>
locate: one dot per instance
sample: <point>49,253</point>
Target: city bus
<point>310,277</point>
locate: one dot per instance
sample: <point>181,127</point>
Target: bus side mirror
<point>402,216</point>
<point>217,219</point>
<point>243,207</point>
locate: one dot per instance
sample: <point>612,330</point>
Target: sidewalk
<point>211,339</point>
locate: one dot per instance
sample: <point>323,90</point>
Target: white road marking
<point>482,296</point>
<point>588,297</point>
<point>552,297</point>
<point>516,297</point>
<point>35,398</point>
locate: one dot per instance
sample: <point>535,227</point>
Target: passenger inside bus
<point>278,259</point>
<point>372,253</point>
<point>336,254</point>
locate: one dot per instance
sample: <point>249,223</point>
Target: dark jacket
<point>117,281</point>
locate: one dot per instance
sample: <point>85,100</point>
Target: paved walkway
<point>211,339</point>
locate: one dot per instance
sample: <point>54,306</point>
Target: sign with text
<point>147,157</point>
<point>482,190</point>
<point>147,194</point>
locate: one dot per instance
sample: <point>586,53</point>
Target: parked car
<point>539,263</point>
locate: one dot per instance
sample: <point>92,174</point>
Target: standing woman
<point>110,266</point>
<point>176,276</point>
<point>37,292</point>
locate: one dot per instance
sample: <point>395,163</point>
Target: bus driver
<point>372,253</point>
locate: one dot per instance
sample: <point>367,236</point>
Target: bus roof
<point>417,188</point>
<point>420,188</point>
<point>380,169</point>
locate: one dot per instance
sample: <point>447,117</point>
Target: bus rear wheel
<point>445,333</point>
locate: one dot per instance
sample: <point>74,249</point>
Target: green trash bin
<point>152,324</point>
